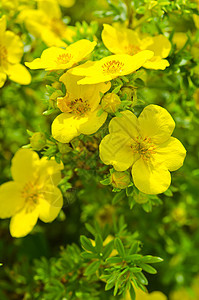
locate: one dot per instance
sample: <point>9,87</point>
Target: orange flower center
<point>78,107</point>
<point>113,66</point>
<point>3,55</point>
<point>63,58</point>
<point>144,147</point>
<point>31,194</point>
<point>132,49</point>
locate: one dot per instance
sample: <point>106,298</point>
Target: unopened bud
<point>120,180</point>
<point>38,141</point>
<point>111,102</point>
<point>127,92</point>
<point>64,148</point>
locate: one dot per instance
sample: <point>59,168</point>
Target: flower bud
<point>111,102</point>
<point>64,148</point>
<point>120,180</point>
<point>128,92</point>
<point>38,141</point>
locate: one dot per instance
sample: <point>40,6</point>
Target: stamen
<point>77,107</point>
<point>63,58</point>
<point>132,49</point>
<point>144,147</point>
<point>31,194</point>
<point>113,66</point>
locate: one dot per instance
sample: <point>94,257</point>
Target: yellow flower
<point>46,23</point>
<point>80,107</point>
<point>179,39</point>
<point>55,58</point>
<point>127,41</point>
<point>11,51</point>
<point>110,67</point>
<point>145,143</point>
<point>140,295</point>
<point>32,194</point>
<point>66,3</point>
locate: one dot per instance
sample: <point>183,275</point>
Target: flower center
<point>63,58</point>
<point>78,106</point>
<point>132,49</point>
<point>3,55</point>
<point>31,194</point>
<point>144,147</point>
<point>113,66</point>
<point>57,26</point>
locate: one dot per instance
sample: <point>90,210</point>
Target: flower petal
<point>171,153</point>
<point>115,149</point>
<point>126,124</point>
<point>23,222</point>
<point>19,74</point>
<point>50,206</point>
<point>65,127</point>
<point>14,47</point>
<point>10,199</point>
<point>156,123</point>
<point>3,24</point>
<point>25,165</point>
<point>49,172</point>
<point>150,177</point>
<point>93,122</point>
<point>119,41</point>
<point>51,8</point>
<point>160,45</point>
<point>156,64</point>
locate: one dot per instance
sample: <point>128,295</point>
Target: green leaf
<point>92,268</point>
<point>134,248</point>
<point>100,112</point>
<point>86,243</point>
<point>141,278</point>
<point>98,243</point>
<point>151,259</point>
<point>133,257</point>
<point>88,255</point>
<point>106,181</point>
<point>107,249</point>
<point>132,293</point>
<point>114,260</point>
<point>147,268</point>
<point>135,270</point>
<point>119,246</point>
<point>118,197</point>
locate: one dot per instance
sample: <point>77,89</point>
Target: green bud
<point>120,180</point>
<point>38,141</point>
<point>64,148</point>
<point>111,102</point>
<point>128,91</point>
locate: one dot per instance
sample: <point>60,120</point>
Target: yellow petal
<point>156,63</point>
<point>25,165</point>
<point>3,24</point>
<point>157,296</point>
<point>14,47</point>
<point>93,122</point>
<point>66,3</point>
<point>50,206</point>
<point>65,127</point>
<point>50,7</point>
<point>89,93</point>
<point>160,45</point>
<point>126,124</point>
<point>19,74</point>
<point>49,171</point>
<point>150,177</point>
<point>120,41</point>
<point>111,67</point>
<point>171,153</point>
<point>156,123</point>
<point>10,199</point>
<point>3,77</point>
<point>115,149</point>
<point>23,222</point>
